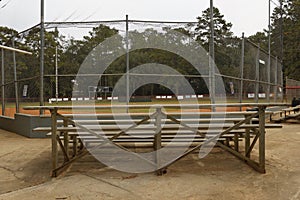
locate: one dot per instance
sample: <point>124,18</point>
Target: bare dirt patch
<point>26,162</point>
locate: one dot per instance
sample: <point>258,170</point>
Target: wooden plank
<point>291,108</point>
<point>135,133</point>
<point>81,116</point>
<point>186,106</point>
<point>149,140</point>
<point>125,121</point>
<point>152,127</point>
<point>292,116</point>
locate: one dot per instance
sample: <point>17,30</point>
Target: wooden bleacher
<point>75,133</point>
<point>286,114</point>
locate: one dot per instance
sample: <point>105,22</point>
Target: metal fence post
<point>242,69</point>
<point>3,82</point>
<point>257,74</point>
<point>127,63</point>
<point>269,54</point>
<point>15,77</point>
<point>212,77</point>
<point>54,140</point>
<point>42,58</point>
<point>276,80</point>
<point>56,74</point>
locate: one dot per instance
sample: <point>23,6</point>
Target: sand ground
<point>25,174</point>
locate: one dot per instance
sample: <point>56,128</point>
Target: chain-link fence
<point>292,89</point>
<point>249,74</point>
<point>16,86</point>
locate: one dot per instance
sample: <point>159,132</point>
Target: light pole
<point>42,58</point>
<point>212,56</point>
<point>281,52</point>
<point>269,54</point>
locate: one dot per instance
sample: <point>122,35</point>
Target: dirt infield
<point>10,112</point>
<point>25,166</point>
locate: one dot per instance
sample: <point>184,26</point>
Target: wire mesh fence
<point>292,89</point>
<point>247,72</point>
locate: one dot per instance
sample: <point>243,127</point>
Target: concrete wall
<point>23,124</point>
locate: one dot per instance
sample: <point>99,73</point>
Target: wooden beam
<point>261,111</point>
<point>66,138</point>
<point>236,142</point>
<point>53,139</point>
<point>249,150</point>
<point>75,145</point>
<point>247,141</point>
<point>248,161</point>
<point>62,148</point>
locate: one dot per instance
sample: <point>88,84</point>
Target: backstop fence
<point>248,72</point>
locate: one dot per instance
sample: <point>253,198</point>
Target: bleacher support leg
<point>54,141</point>
<point>262,138</point>
<point>157,139</point>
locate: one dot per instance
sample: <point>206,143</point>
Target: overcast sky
<point>247,16</point>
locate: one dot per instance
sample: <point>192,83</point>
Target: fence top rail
<point>14,49</point>
<point>183,106</point>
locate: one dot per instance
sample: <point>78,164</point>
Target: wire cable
<point>5,4</point>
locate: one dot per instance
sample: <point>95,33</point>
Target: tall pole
<point>269,55</point>
<point>127,63</point>
<point>212,55</point>
<point>281,31</point>
<point>242,69</point>
<point>276,81</point>
<point>56,74</point>
<point>42,58</point>
<point>257,74</point>
<point>281,52</point>
<point>15,77</point>
<point>2,82</point>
